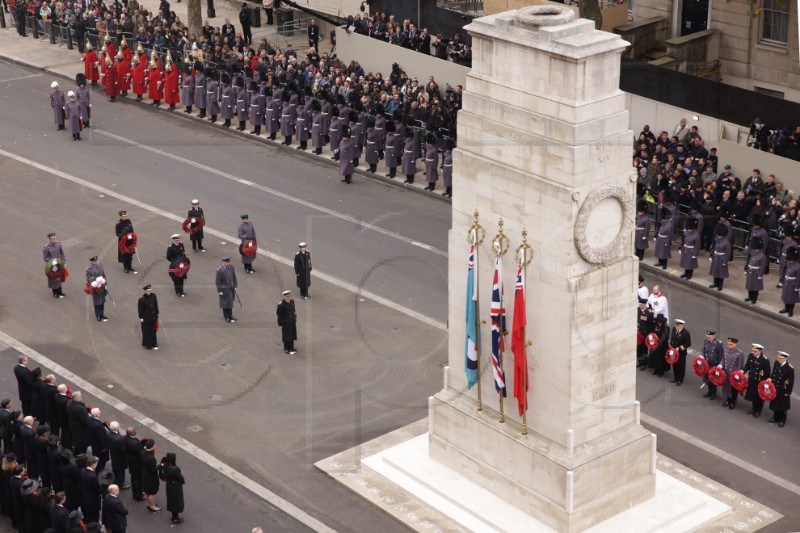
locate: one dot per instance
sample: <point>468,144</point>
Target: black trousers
<point>119,476</point>
<point>712,389</point>
<point>640,254</point>
<point>288,345</point>
<point>679,368</point>
<point>733,397</point>
<point>753,295</point>
<point>269,16</point>
<point>718,282</point>
<point>136,483</point>
<point>178,285</point>
<point>779,416</point>
<point>227,313</point>
<point>758,405</point>
<point>127,262</point>
<point>99,311</point>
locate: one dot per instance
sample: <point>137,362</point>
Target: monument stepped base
<point>395,473</point>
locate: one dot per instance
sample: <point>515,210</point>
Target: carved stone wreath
<point>613,250</point>
<point>544,15</point>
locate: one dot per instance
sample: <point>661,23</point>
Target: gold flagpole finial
<point>524,251</point>
<point>476,233</point>
<point>500,241</point>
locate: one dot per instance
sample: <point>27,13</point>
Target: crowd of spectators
<point>679,161</point>
<point>423,102</point>
<point>384,27</point>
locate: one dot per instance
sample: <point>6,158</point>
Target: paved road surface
<point>364,368</point>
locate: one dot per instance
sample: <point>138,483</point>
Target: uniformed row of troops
<point>179,265</point>
<point>721,251</point>
<point>64,466</point>
<point>318,117</point>
<point>653,354</point>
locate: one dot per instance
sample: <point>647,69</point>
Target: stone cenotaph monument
<point>544,150</point>
<point>544,145</point>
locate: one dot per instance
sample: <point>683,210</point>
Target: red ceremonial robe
<point>90,66</point>
<point>112,83</point>
<point>139,85</point>
<point>122,76</point>
<point>172,93</point>
<point>155,84</point>
<point>103,70</point>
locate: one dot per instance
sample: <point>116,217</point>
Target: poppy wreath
<point>700,366</point>
<point>248,248</point>
<point>55,269</point>
<point>739,381</point>
<point>127,243</point>
<point>672,356</point>
<point>767,390</point>
<point>651,341</point>
<point>95,285</point>
<point>717,376</point>
<point>193,224</point>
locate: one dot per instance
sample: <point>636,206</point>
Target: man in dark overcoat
<point>783,378</point>
<point>226,288</point>
<point>756,369</point>
<point>287,321</point>
<point>148,316</point>
<point>302,268</point>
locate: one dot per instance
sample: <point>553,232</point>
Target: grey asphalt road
<point>363,369</point>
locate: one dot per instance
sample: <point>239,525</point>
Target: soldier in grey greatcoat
<point>790,292</point>
<point>72,112</point>
<point>247,232</point>
<point>288,118</point>
<point>95,270</point>
<point>690,249</point>
<point>54,251</point>
<point>200,83</point>
<point>641,241</point>
<point>276,104</point>
<point>335,132</point>
<point>431,162</point>
<point>346,167</point>
<point>732,360</point>
<point>755,270</point>
<point>304,118</point>
<point>723,219</point>
<point>317,131</point>
<point>757,232</point>
<point>271,125</point>
<point>325,118</point>
<point>664,236</point>
<point>355,137</point>
<point>242,103</point>
<point>57,103</point>
<point>212,95</point>
<point>786,245</point>
<point>227,99</point>
<point>447,168</point>
<point>380,129</point>
<point>409,159</point>
<point>391,153</point>
<point>84,97</point>
<point>720,251</point>
<point>258,105</point>
<point>187,89</point>
<point>371,148</point>
<point>226,288</point>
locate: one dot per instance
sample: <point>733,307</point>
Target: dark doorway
<point>694,16</point>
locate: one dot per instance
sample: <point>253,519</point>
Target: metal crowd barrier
<point>741,231</point>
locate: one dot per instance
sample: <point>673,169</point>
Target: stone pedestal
<point>544,144</point>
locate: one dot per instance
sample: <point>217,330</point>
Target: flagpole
<point>500,243</point>
<point>476,235</point>
<point>524,261</point>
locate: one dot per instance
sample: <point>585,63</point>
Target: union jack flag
<point>498,313</point>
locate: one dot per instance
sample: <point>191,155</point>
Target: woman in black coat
<point>54,458</point>
<point>172,476</point>
<point>41,444</point>
<point>69,478</point>
<point>150,480</point>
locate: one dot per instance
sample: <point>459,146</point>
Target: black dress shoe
<point>747,299</point>
<point>731,406</point>
<point>751,412</point>
<point>673,380</point>
<point>783,311</point>
<point>683,276</point>
<point>678,383</point>
<point>771,420</point>
<point>712,286</point>
<point>712,397</point>
<point>707,395</point>
<point>781,424</point>
<point>725,404</point>
<point>757,414</point>
<point>719,288</point>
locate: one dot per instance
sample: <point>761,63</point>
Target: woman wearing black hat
<point>172,476</point>
<point>150,480</point>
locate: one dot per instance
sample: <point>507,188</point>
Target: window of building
<point>775,22</point>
